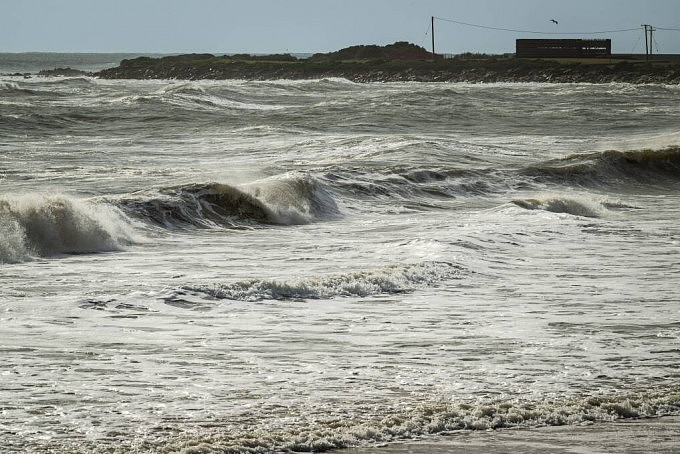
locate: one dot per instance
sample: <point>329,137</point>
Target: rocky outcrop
<point>67,72</point>
<point>400,50</point>
<point>396,62</point>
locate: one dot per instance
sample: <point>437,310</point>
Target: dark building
<point>570,48</point>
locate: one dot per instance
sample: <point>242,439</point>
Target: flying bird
<point>553,20</point>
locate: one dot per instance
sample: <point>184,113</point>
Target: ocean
<point>239,266</point>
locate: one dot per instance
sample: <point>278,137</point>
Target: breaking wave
<point>611,167</point>
<point>47,225</point>
<point>388,280</point>
<point>7,87</point>
<point>288,199</point>
<point>584,208</point>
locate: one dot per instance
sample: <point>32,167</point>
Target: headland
<point>400,61</point>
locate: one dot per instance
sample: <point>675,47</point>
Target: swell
<point>58,87</point>
<point>598,169</point>
<point>642,167</point>
<point>608,169</point>
<point>418,182</point>
<point>198,98</point>
<point>394,279</point>
<point>39,225</point>
<point>288,199</point>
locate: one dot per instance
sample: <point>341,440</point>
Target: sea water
<point>237,266</point>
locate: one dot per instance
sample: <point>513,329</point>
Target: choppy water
<point>262,266</point>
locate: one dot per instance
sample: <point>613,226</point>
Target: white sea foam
<point>5,85</point>
<point>427,419</point>
<point>386,280</point>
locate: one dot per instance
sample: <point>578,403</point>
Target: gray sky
<point>218,26</point>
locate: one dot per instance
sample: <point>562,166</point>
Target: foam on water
<point>388,280</point>
<point>5,85</point>
<point>434,418</point>
<point>9,88</point>
<point>319,433</point>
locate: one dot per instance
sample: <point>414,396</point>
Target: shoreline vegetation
<point>396,62</point>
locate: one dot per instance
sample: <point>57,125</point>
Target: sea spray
<point>45,225</point>
<point>294,198</point>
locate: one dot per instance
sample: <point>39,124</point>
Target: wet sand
<point>660,435</point>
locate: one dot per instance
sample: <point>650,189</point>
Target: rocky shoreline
<point>511,70</point>
<point>398,62</point>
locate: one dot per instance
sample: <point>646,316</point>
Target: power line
<point>636,44</point>
<point>658,48</point>
<point>538,32</point>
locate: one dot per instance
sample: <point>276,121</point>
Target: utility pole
<point>433,54</point>
<point>649,43</point>
<point>646,42</point>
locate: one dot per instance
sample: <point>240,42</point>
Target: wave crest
<point>294,198</point>
<point>414,183</point>
<point>42,225</point>
<point>388,280</point>
<point>584,208</point>
<point>198,205</point>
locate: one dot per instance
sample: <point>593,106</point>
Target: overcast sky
<point>256,26</point>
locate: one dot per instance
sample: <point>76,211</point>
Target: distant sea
<point>32,62</point>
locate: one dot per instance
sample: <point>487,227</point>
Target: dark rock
<point>64,72</point>
<point>396,62</point>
